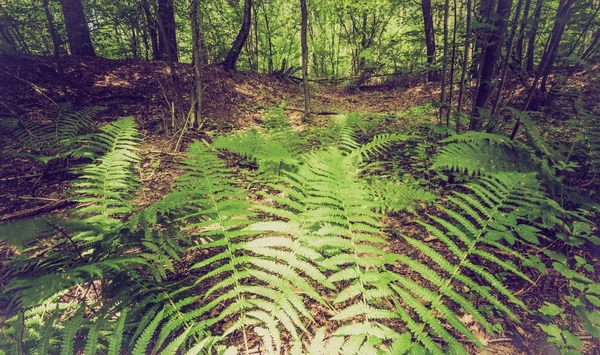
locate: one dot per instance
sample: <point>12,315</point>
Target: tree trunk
<point>592,46</point>
<point>452,59</point>
<point>534,28</point>
<point>152,31</point>
<point>234,53</point>
<point>562,19</point>
<point>167,44</point>
<point>78,33</point>
<point>490,57</point>
<point>181,121</point>
<point>444,60</point>
<point>429,37</point>
<point>513,32</point>
<point>56,48</point>
<point>7,42</point>
<point>269,39</point>
<point>486,7</point>
<point>521,36</point>
<point>465,59</point>
<point>303,30</point>
<point>197,63</point>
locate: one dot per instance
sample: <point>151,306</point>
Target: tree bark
<point>303,30</point>
<point>429,37</point>
<point>78,32</point>
<point>444,60</point>
<point>197,63</point>
<point>56,48</point>
<point>563,17</point>
<point>178,105</point>
<point>152,30</point>
<point>234,53</point>
<point>490,57</point>
<point>269,40</point>
<point>486,7</point>
<point>465,59</point>
<point>167,43</point>
<point>452,59</point>
<point>534,28</point>
<point>521,36</point>
<point>513,32</point>
<point>592,46</point>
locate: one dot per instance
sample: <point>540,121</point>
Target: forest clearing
<point>274,177</point>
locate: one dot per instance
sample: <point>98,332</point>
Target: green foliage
<point>484,153</point>
<point>59,137</point>
<point>206,264</point>
<point>400,196</point>
<point>106,184</point>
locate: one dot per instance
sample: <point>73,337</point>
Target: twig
<point>33,211</point>
<point>160,152</point>
<point>29,176</point>
<point>34,86</point>
<point>324,113</point>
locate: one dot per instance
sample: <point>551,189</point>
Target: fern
<point>398,197</point>
<point>60,135</point>
<point>495,205</point>
<point>105,185</point>
<point>484,153</point>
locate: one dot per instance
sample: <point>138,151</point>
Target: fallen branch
<point>29,176</point>
<point>324,113</point>
<point>33,211</point>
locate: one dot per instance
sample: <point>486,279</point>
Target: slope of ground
<point>31,85</point>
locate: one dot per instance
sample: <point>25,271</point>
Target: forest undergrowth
<point>361,233</point>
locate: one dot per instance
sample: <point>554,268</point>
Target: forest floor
<point>30,88</point>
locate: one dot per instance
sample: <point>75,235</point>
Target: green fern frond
<point>59,135</point>
<point>396,197</point>
<point>114,344</point>
<point>70,332</point>
<point>105,185</point>
<point>484,153</point>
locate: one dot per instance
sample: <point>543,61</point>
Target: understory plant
<point>304,266</point>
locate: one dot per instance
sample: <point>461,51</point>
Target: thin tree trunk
<point>152,30</point>
<point>592,45</point>
<point>490,57</point>
<point>134,41</point>
<point>269,40</point>
<point>303,30</point>
<point>56,48</point>
<point>444,60</point>
<point>234,53</point>
<point>429,37</point>
<point>465,60</point>
<point>534,28</point>
<point>562,19</point>
<point>521,36</point>
<point>256,41</point>
<point>513,32</point>
<point>453,58</point>
<point>77,29</point>
<point>8,39</point>
<point>167,43</point>
<point>180,123</point>
<point>486,7</point>
<point>583,32</point>
<point>197,63</point>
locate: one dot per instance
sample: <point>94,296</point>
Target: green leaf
<point>550,309</point>
<point>528,233</point>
